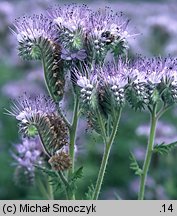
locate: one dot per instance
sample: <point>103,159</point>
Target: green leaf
<point>49,172</point>
<point>89,194</point>
<point>119,48</point>
<point>134,165</point>
<point>77,174</point>
<point>164,148</point>
<point>55,180</point>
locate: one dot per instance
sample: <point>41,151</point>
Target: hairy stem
<point>64,118</point>
<point>149,153</point>
<point>105,158</point>
<point>102,126</point>
<point>72,133</point>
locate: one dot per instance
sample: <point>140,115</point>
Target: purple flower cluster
<point>141,82</point>
<point>32,28</point>
<point>155,70</point>
<point>107,27</point>
<point>31,33</point>
<point>29,110</point>
<point>71,17</point>
<point>80,32</point>
<point>28,153</point>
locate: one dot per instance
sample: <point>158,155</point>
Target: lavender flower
<point>71,22</point>
<point>88,87</point>
<point>27,154</point>
<point>77,55</point>
<point>113,79</point>
<point>108,31</point>
<point>38,116</point>
<point>151,80</point>
<point>70,17</point>
<point>155,70</point>
<point>32,33</point>
<point>30,110</point>
<point>105,21</point>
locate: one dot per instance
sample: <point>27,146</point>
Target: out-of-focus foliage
<point>154,24</point>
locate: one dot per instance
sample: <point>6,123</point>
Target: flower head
<point>31,33</point>
<point>108,30</point>
<point>30,110</point>
<point>88,86</point>
<point>113,80</point>
<point>71,22</point>
<point>70,17</point>
<point>108,25</point>
<point>38,116</point>
<point>154,79</point>
<point>60,161</point>
<point>155,70</point>
<point>27,154</point>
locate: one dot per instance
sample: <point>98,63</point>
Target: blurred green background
<point>155,23</point>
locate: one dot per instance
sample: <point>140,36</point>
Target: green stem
<point>105,158</point>
<point>65,182</point>
<point>45,187</point>
<point>42,189</point>
<point>103,133</point>
<point>149,153</point>
<point>162,111</point>
<point>72,132</point>
<point>64,118</point>
<point>50,189</point>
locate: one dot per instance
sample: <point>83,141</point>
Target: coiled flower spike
<point>113,83</point>
<point>88,85</point>
<point>153,79</point>
<point>37,40</point>
<point>32,33</point>
<point>72,24</point>
<point>38,116</point>
<point>108,32</point>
